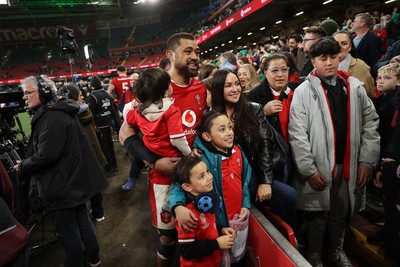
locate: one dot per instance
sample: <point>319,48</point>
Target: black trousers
<point>391,190</point>
<point>107,146</point>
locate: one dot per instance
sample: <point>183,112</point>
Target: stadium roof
<point>39,12</point>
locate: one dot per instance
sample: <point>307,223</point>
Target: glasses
<point>275,71</point>
<point>306,40</point>
<point>27,93</point>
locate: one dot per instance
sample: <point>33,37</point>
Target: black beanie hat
<point>69,91</point>
<point>95,82</point>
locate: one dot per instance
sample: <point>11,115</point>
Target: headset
<point>64,91</point>
<point>45,92</point>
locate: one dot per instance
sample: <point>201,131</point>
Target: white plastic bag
<point>241,226</point>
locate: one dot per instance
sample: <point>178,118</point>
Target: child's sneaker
<point>98,218</point>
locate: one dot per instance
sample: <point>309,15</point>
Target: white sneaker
<point>100,219</point>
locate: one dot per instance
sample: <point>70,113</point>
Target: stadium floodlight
<point>230,41</point>
<point>222,44</point>
<point>5,2</point>
<point>279,21</point>
<point>299,13</point>
<point>88,51</point>
<point>390,1</point>
<point>239,38</point>
<point>327,2</point>
<point>250,33</point>
<point>262,28</point>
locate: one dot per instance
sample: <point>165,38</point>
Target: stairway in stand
<point>363,224</point>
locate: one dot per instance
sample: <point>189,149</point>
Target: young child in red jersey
<point>228,166</point>
<point>200,247</point>
<point>160,121</point>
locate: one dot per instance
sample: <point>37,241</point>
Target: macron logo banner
<point>44,33</point>
<point>245,11</point>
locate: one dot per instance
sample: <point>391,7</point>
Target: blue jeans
<point>282,202</point>
<point>77,236</point>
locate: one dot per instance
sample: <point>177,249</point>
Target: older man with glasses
<point>64,172</point>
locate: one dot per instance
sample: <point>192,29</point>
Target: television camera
<point>12,148</point>
<point>67,40</point>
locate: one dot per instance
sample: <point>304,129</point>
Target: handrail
<point>295,256</point>
<point>281,225</point>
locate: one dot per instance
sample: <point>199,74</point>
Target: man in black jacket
<point>63,169</point>
<point>391,56</point>
<point>100,104</point>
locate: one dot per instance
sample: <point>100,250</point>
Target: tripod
<point>71,63</point>
<point>38,243</point>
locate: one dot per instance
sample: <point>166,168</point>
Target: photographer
<point>63,169</point>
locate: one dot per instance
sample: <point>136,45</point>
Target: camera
<point>67,40</point>
<point>12,148</point>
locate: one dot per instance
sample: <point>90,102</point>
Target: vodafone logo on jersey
<point>189,118</point>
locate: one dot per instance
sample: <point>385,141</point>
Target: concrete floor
<point>126,236</point>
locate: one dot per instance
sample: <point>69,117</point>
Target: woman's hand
<point>387,160</point>
<point>272,107</point>
<point>243,212</point>
<point>264,192</point>
<point>186,218</point>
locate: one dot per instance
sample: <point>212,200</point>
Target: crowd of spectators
<point>280,66</point>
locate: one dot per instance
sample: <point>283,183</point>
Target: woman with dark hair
<point>274,94</point>
<point>355,66</point>
<point>293,71</point>
<point>254,134</point>
<point>206,71</point>
<point>243,60</point>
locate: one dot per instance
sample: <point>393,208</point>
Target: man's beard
<point>186,72</point>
